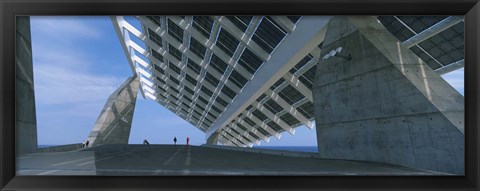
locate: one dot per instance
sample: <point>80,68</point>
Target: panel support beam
<point>310,31</point>
<point>451,67</point>
<point>432,31</point>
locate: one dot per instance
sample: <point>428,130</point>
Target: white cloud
<point>65,73</point>
<point>60,83</point>
<point>64,27</point>
<point>64,55</point>
<point>70,91</point>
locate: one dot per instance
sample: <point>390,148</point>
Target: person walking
<point>175,140</point>
<point>188,140</point>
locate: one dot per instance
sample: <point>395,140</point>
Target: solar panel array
<point>198,65</point>
<point>438,51</point>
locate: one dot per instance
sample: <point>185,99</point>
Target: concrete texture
<point>152,160</point>
<point>384,104</point>
<point>115,121</point>
<point>25,121</point>
<point>213,139</point>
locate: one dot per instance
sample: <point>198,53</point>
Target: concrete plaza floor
<point>145,160</point>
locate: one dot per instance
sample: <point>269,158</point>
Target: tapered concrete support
<point>213,139</point>
<point>384,104</point>
<point>26,120</point>
<point>115,121</point>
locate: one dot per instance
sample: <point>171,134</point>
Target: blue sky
<point>78,62</point>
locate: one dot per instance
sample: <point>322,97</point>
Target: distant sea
<point>290,148</point>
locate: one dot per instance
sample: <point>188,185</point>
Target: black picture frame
<point>9,9</point>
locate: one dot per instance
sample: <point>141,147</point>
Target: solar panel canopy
<point>205,68</point>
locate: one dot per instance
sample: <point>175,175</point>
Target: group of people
<point>85,143</point>
<point>175,140</point>
<point>145,142</point>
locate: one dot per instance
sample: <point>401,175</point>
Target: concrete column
<point>115,121</point>
<point>26,120</point>
<point>213,140</point>
<point>384,103</point>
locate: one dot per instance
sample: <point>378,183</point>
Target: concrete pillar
<point>213,139</point>
<point>25,120</point>
<point>115,121</point>
<point>375,100</point>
